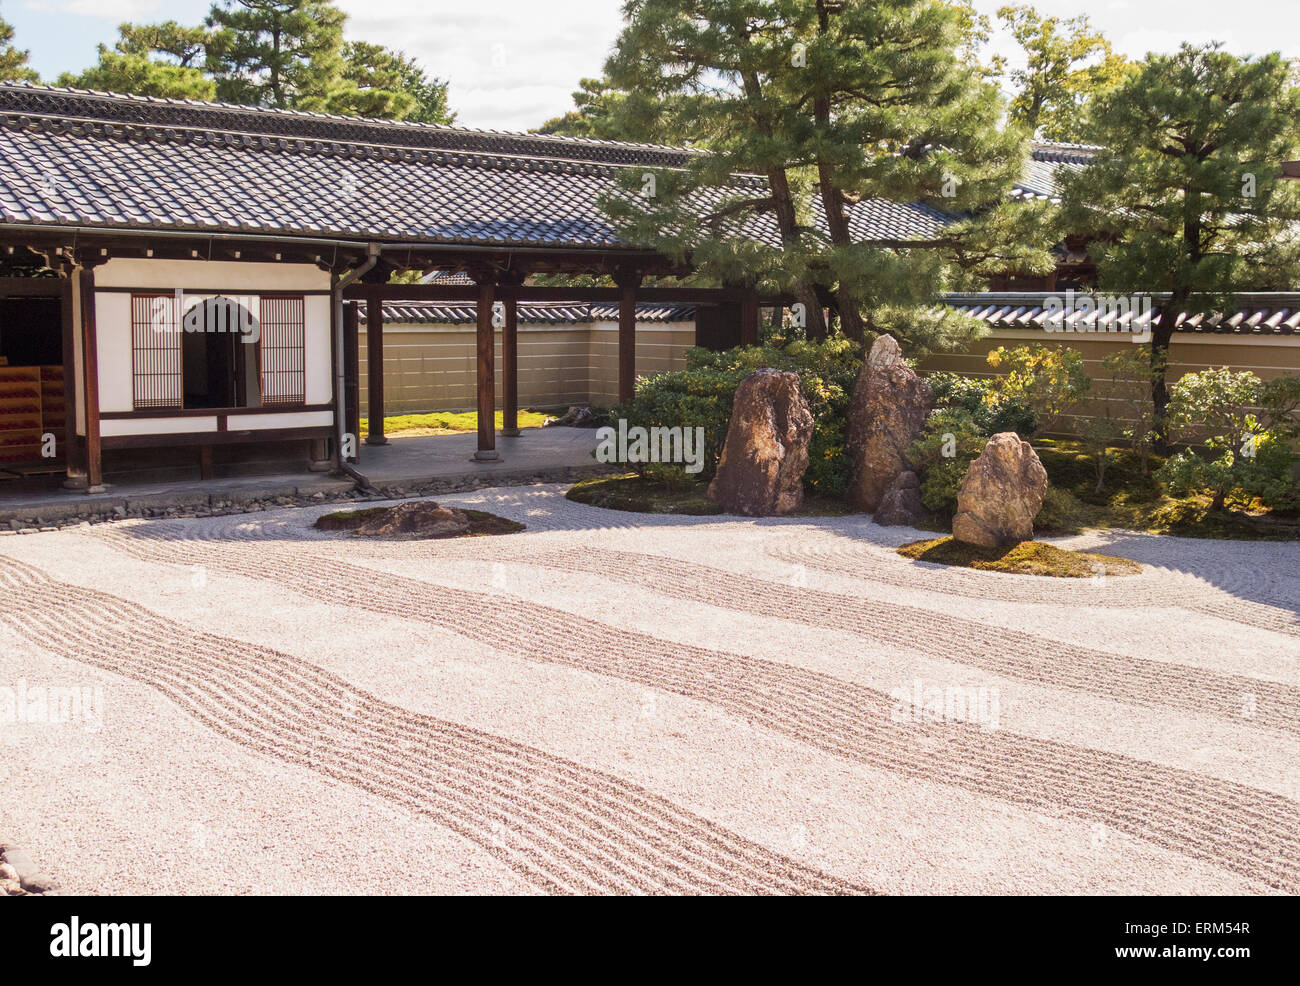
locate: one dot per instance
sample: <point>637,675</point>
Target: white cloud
<point>511,63</point>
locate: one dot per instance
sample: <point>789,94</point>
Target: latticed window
<point>205,359</point>
<point>157,379</point>
<point>284,376</point>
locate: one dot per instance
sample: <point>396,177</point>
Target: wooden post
<point>749,319</point>
<point>510,356</point>
<point>627,281</point>
<point>352,374</point>
<point>90,366</point>
<point>487,398</point>
<point>375,369</point>
<point>73,458</point>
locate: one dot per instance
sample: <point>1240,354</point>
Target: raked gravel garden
<point>619,702</point>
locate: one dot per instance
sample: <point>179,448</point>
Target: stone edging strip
<point>186,504</point>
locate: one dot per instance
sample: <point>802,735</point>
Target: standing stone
<point>765,453</point>
<point>887,410</point>
<point>1001,494</point>
<point>901,505</point>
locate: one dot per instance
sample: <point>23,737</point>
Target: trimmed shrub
<point>991,410</point>
<point>950,440</point>
<point>703,393</point>
<point>1245,428</point>
<point>1050,380</point>
<point>1061,511</point>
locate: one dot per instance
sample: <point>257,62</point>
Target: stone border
<point>20,877</point>
<point>26,520</point>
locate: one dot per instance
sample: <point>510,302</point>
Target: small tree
<point>1184,195</point>
<point>1128,396</point>
<point>1050,381</point>
<point>1244,425</point>
<point>1066,63</point>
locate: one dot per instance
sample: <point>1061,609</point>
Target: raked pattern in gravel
<point>565,823</point>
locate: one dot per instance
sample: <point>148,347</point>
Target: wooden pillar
<point>73,454</point>
<point>487,398</point>
<point>627,281</point>
<point>510,355</point>
<point>749,319</point>
<point>375,369</point>
<point>90,367</point>
<point>352,374</point>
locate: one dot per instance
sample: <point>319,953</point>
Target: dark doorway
<point>220,368</point>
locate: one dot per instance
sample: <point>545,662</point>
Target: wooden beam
<point>90,367</point>
<point>352,374</point>
<point>375,372</point>
<point>487,398</point>
<point>462,294</point>
<point>628,281</point>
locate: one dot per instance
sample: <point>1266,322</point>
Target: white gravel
<point>611,702</point>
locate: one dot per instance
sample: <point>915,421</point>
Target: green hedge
<point>702,396</point>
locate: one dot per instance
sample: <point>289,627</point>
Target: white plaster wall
<point>203,277</point>
<point>157,426</point>
<point>289,419</point>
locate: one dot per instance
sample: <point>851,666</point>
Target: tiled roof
<point>448,277</point>
<point>76,158</point>
<point>1257,313</point>
<point>439,313</point>
<point>1047,160</point>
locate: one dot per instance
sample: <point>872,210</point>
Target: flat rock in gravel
<point>422,519</point>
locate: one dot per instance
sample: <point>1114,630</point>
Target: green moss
<point>347,520</point>
<point>1025,558</point>
<point>638,495</point>
<point>448,422</point>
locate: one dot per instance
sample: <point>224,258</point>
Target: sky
<point>514,63</point>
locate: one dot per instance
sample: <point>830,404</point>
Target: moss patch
<point>447,423</point>
<point>632,493</point>
<point>481,523</point>
<point>635,494</point>
<point>1025,558</point>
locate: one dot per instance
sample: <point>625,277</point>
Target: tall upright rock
<point>765,453</point>
<point>887,410</point>
<point>1001,494</point>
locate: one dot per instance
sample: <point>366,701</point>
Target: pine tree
<point>142,76</point>
<point>388,85</point>
<point>13,61</point>
<point>1184,196</point>
<point>830,103</point>
<point>280,53</point>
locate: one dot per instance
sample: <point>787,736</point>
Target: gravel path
<point>612,703</point>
